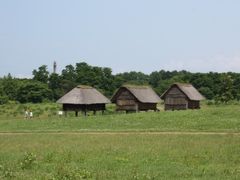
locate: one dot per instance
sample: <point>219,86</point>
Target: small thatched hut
<point>84,98</point>
<point>182,96</point>
<point>135,98</point>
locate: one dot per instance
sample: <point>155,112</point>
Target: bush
<point>210,102</point>
<point>3,100</point>
<point>28,160</point>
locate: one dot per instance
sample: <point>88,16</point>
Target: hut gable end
<point>125,98</point>
<point>125,95</point>
<point>135,98</point>
<point>174,92</point>
<point>181,96</point>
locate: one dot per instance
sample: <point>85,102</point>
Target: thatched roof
<point>144,94</point>
<point>188,89</point>
<point>83,95</point>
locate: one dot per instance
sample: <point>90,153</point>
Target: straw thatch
<point>84,95</point>
<point>143,94</point>
<point>188,89</point>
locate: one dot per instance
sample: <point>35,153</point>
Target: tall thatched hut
<point>84,98</point>
<point>135,98</point>
<point>182,96</point>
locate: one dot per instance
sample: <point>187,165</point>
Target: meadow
<point>120,146</point>
<point>222,118</point>
<point>79,156</point>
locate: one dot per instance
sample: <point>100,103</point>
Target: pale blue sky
<point>140,35</point>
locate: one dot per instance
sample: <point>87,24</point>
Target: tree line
<point>46,86</point>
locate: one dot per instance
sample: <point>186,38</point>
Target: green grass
<point>120,156</point>
<point>209,118</point>
<point>41,154</point>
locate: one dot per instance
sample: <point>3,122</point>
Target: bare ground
<point>121,133</point>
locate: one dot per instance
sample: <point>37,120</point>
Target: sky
<point>125,35</point>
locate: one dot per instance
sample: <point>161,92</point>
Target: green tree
<point>69,73</point>
<point>55,85</point>
<point>67,85</point>
<point>134,77</point>
<point>33,91</point>
<point>236,87</point>
<point>41,74</point>
<point>207,92</point>
<point>226,88</point>
<point>3,96</point>
<point>86,75</point>
<point>154,79</point>
<point>220,86</point>
<point>10,86</point>
<point>106,83</point>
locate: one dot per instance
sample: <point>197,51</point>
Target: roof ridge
<point>84,87</point>
<point>136,86</point>
<point>183,84</point>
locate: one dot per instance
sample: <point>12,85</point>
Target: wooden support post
<point>94,112</point>
<point>137,110</point>
<point>76,113</point>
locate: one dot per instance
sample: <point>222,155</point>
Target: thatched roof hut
<point>182,96</point>
<point>83,98</point>
<point>135,98</point>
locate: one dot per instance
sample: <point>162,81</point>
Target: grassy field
<point>122,145</point>
<point>209,118</point>
<point>76,156</point>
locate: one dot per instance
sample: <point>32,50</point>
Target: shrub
<point>3,100</point>
<point>210,102</point>
<point>28,160</point>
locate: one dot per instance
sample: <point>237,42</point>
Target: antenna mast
<point>54,67</point>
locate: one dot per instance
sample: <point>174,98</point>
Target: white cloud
<point>22,76</point>
<point>218,63</point>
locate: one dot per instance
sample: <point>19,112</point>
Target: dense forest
<point>46,86</point>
